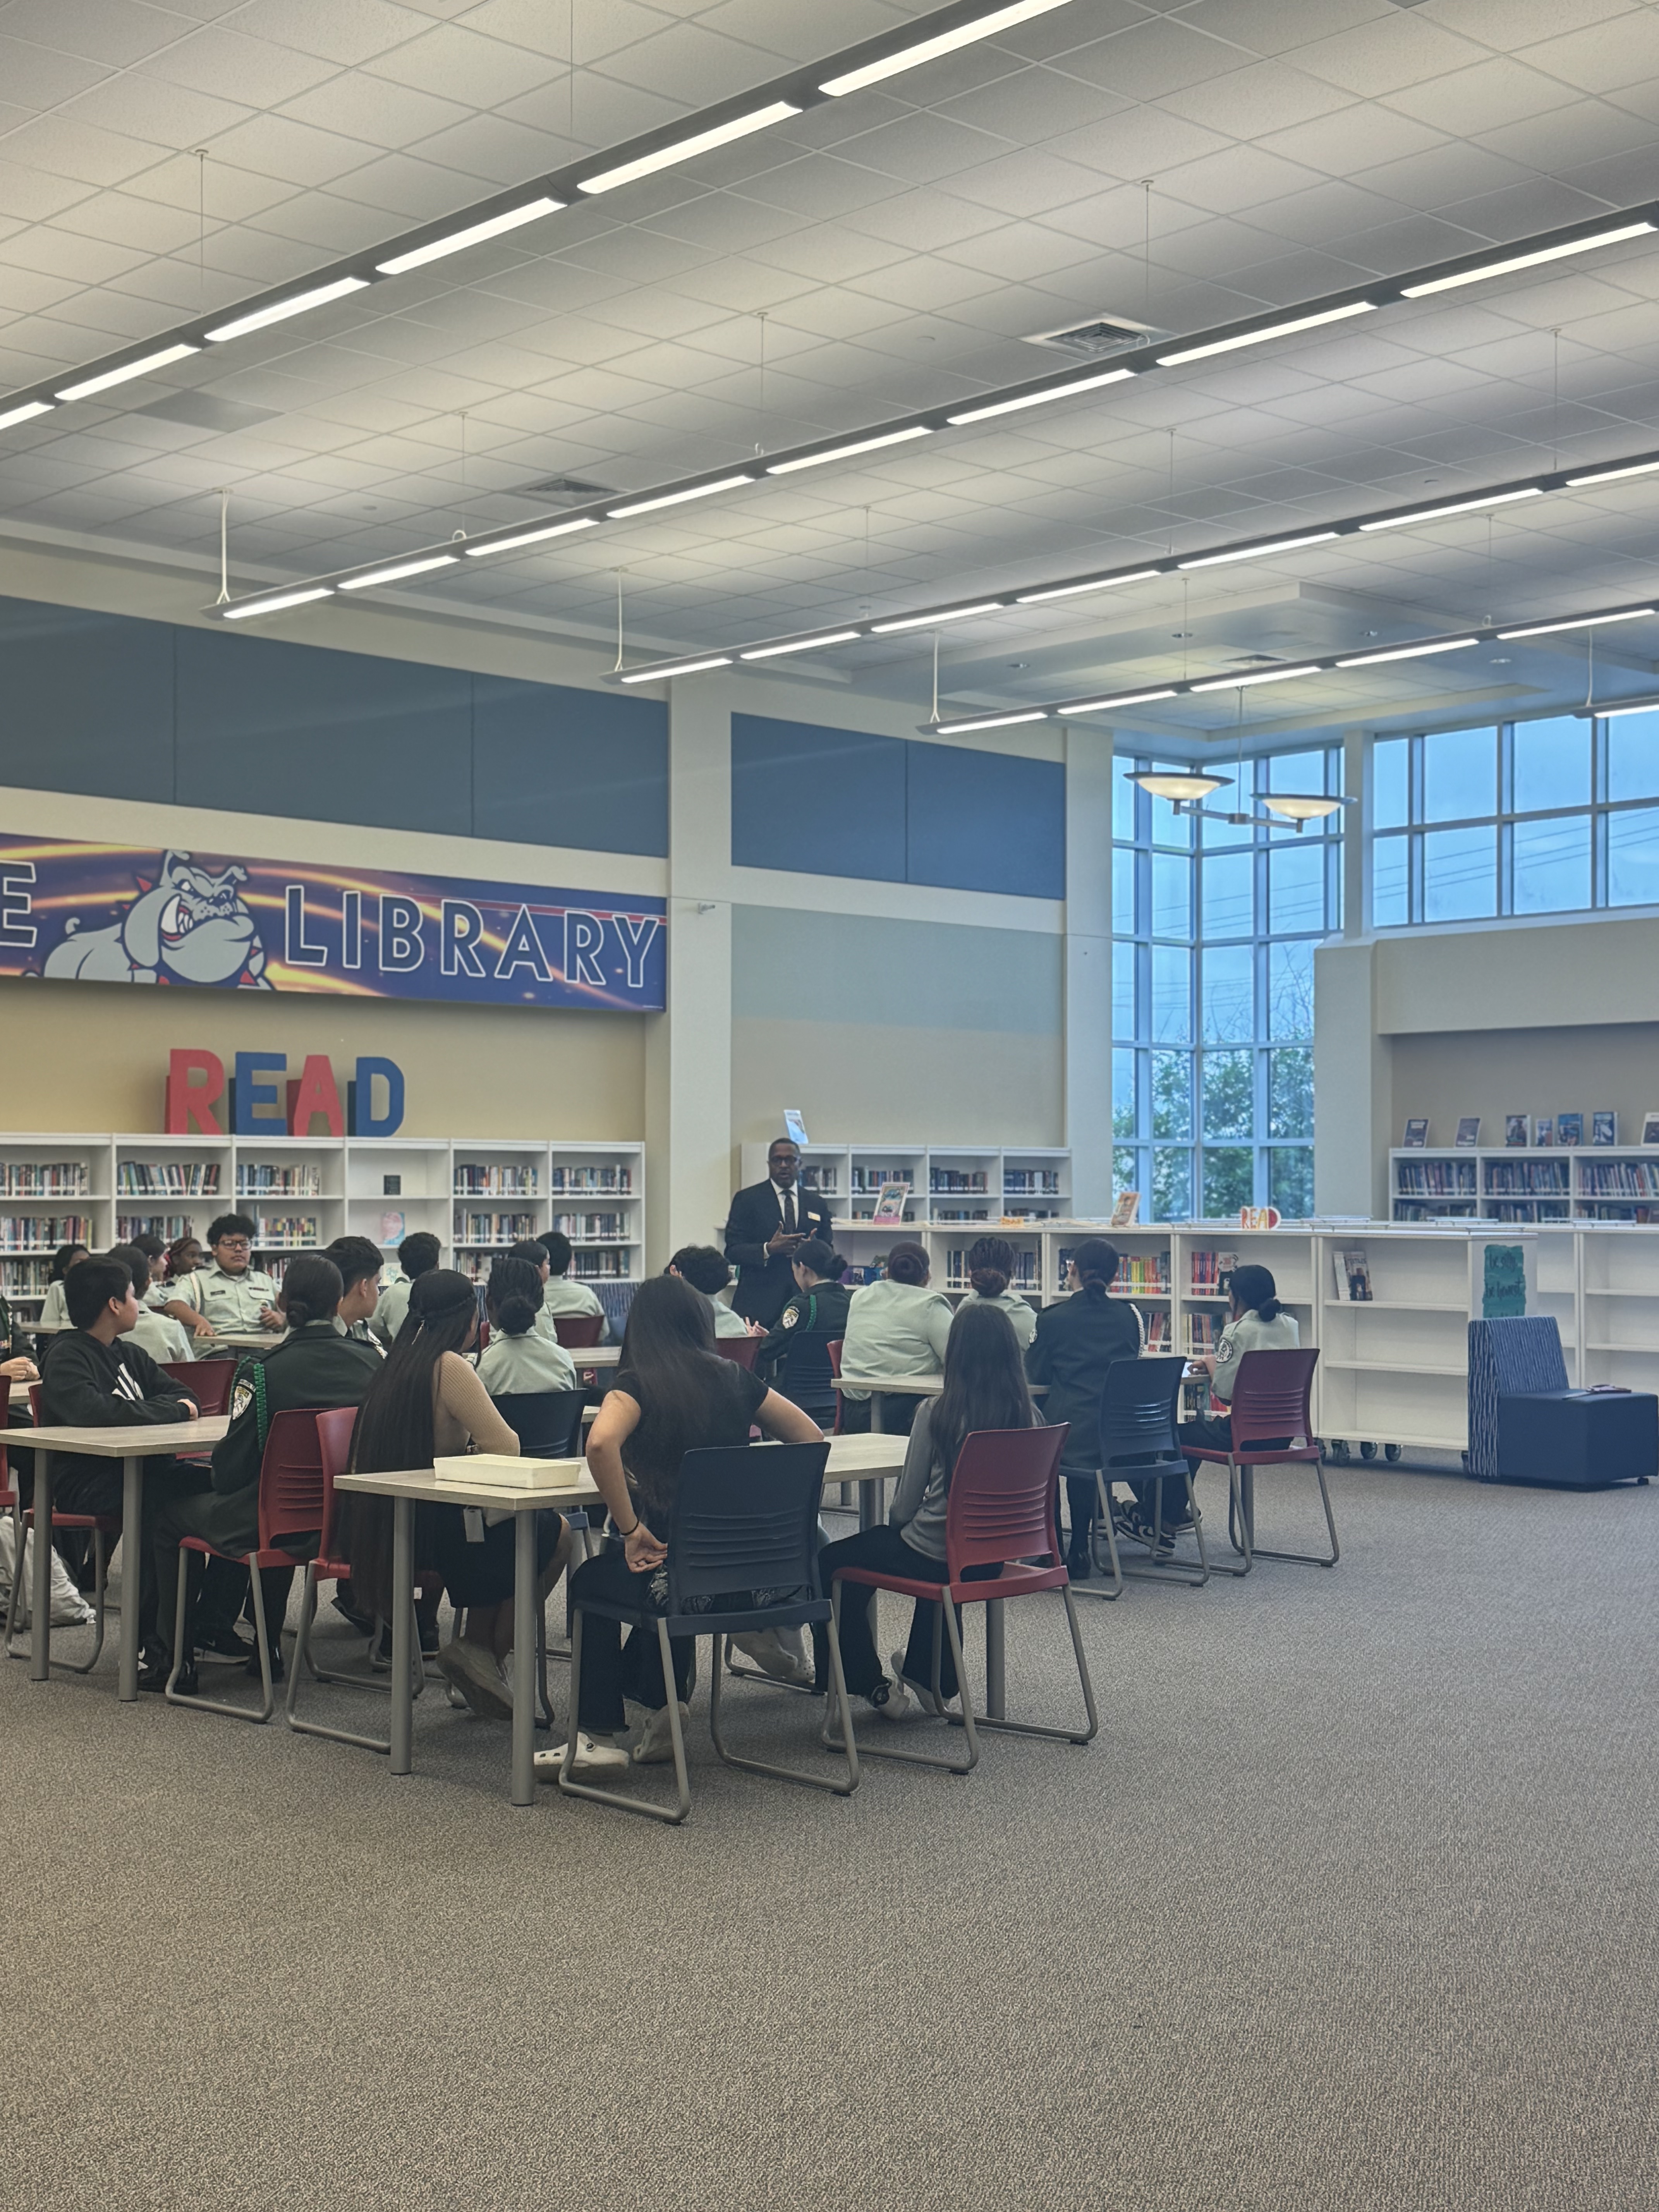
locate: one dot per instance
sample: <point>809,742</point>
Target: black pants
<point>884,1550</point>
<point>612,1670</point>
<point>100,1489</point>
<point>898,1410</point>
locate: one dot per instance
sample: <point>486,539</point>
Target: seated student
<point>89,1379</point>
<point>896,1327</point>
<point>230,1292</point>
<point>156,1252</point>
<point>154,1332</point>
<point>1076,1342</point>
<point>184,1258</point>
<point>710,1272</point>
<point>561,1293</point>
<point>426,1400</point>
<point>313,1365</point>
<point>518,1357</point>
<point>1257,1322</point>
<point>794,1353</point>
<point>54,1308</point>
<point>673,1394</point>
<point>991,1263</point>
<point>360,1263</point>
<point>417,1255</point>
<point>985,1388</point>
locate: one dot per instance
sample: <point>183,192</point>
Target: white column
<point>1353,1084</point>
<point>1089,968</point>
<point>1357,833</point>
<point>687,1062</point>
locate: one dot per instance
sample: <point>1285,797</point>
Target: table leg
<point>996,1659</point>
<point>873,1502</point>
<point>40,1600</point>
<point>524,1658</point>
<point>132,1570</point>
<point>402,1658</point>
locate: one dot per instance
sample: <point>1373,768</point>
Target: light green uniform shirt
<point>894,1329</point>
<point>1249,1333</point>
<point>233,1303</point>
<point>1020,1312</point>
<point>509,1366</point>
<point>162,1337</point>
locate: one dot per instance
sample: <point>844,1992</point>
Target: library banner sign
<point>128,914</point>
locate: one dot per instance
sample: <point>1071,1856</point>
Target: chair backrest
<point>1516,1353</point>
<point>739,1348</point>
<point>746,1518</point>
<point>208,1382</point>
<point>335,1429</point>
<point>1003,1493</point>
<point>548,1423</point>
<point>291,1478</point>
<point>1272,1397</point>
<point>1138,1413</point>
<point>35,1403</point>
<point>577,1332</point>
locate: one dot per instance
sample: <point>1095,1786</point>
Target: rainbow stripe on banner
<point>129,914</point>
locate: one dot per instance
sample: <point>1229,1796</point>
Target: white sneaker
<point>892,1702</point>
<point>785,1661</point>
<point>595,1755</point>
<point>655,1746</point>
<point>477,1676</point>
<point>921,1692</point>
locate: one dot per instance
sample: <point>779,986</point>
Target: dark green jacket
<point>316,1366</point>
<point>796,1353</point>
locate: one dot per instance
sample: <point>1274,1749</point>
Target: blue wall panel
<point>553,766</point>
<point>85,701</point>
<point>986,821</point>
<point>828,802</point>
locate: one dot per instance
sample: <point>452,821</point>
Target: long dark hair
<point>985,1385</point>
<point>1256,1291</point>
<point>1095,1261</point>
<point>514,1296</point>
<point>990,1266</point>
<point>669,1344</point>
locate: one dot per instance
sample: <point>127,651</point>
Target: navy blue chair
<point>746,1523</point>
<point>1138,1406</point>
<point>547,1422</point>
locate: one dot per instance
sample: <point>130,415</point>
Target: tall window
<point>1212,992</point>
<point>1531,817</point>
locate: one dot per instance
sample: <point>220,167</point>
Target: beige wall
<point>863,1084</point>
<point>1527,1071</point>
<point>92,1056</point>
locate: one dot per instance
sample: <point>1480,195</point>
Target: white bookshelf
<point>593,1192</point>
<point>1528,1186</point>
<point>978,1188</point>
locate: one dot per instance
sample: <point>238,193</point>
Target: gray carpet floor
<point>1351,1905</point>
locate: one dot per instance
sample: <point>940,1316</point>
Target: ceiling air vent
<point>1099,336</point>
<point>567,491</point>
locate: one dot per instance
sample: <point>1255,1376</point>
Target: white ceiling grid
<point>900,243</point>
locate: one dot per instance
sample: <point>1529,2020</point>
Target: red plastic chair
<point>742,1349</point>
<point>104,1529</point>
<point>577,1332</point>
<point>1272,1425</point>
<point>1001,1513</point>
<point>290,1505</point>
<point>834,1350</point>
<point>208,1382</point>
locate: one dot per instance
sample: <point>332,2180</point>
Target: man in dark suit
<point>768,1223</point>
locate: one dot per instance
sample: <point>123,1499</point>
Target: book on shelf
<point>1604,1128</point>
<point>394,1227</point>
<point>1157,1329</point>
<point>169,1227</point>
<point>1142,1274</point>
<point>1650,1128</point>
<point>957,1181</point>
<point>1200,1334</point>
<point>822,1180</point>
<point>1212,1274</point>
<point>1417,1130</point>
<point>1030,1182</point>
<point>1543,1133</point>
<point>473,1180</point>
<point>890,1202</point>
<point>262,1179</point>
<point>1353,1274</point>
<point>575,1181</point>
<point>1570,1129</point>
<point>1515,1131</point>
<point>286,1232</point>
<point>44,1179</point>
<point>1469,1132</point>
<point>23,1231</point>
<point>1125,1208</point>
<point>166,1179</point>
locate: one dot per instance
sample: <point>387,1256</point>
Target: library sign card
<point>127,914</point>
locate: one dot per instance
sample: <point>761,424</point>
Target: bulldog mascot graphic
<point>188,927</point>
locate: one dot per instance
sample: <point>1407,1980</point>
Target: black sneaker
<point>1078,1564</point>
<point>223,1643</point>
<point>361,1621</point>
<point>277,1669</point>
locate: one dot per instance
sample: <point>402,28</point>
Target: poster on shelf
<point>131,914</point>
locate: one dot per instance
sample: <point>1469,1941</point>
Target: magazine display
<point>1353,1274</point>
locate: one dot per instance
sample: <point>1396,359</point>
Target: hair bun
<point>988,1282</point>
<point>516,1315</point>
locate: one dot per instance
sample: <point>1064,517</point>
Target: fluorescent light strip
<point>297,305</point>
<point>680,668</point>
<point>394,574</point>
<point>1458,507</point>
<point>250,607</point>
<point>1408,652</point>
<point>1642,707</point>
<point>26,413</point>
<point>676,498</point>
<point>151,361</point>
<point>1258,552</point>
<point>991,722</point>
<point>951,614</point>
<point>1260,337</point>
<point>533,537</point>
<point>475,235</point>
<point>1612,475</point>
<point>1263,676</point>
<point>1042,399</point>
<point>800,645</point>
<point>1099,584</point>
<point>1526,260</point>
<point>1120,699</point>
<point>947,42</point>
<point>685,150</point>
<point>1578,622</point>
<point>841,453</point>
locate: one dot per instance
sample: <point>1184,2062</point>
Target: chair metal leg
<point>789,1773</point>
<point>1103,1521</point>
<point>673,1814</point>
<point>99,1574</point>
<point>1057,1735</point>
<point>1174,1569</point>
<point>1308,1559</point>
<point>1238,1526</point>
<point>181,1654</point>
<point>911,1758</point>
<point>21,1530</point>
<point>303,1659</point>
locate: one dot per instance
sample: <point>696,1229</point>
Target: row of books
<point>1212,1273</point>
<point>1030,1182</point>
<point>290,1232</point>
<point>1202,1335</point>
<point>822,1180</point>
<point>1619,1179</point>
<point>496,1181</point>
<point>22,1232</point>
<point>1536,1209</point>
<point>44,1179</point>
<point>578,1181</point>
<point>1025,1277</point>
<point>952,1180</point>
<point>166,1179</point>
<point>870,1180</point>
<point>24,1278</point>
<point>1435,1178</point>
<point>1434,1209</point>
<point>264,1178</point>
<point>1523,1131</point>
<point>867,1213</point>
<point>169,1227</point>
<point>1639,1214</point>
<point>1530,1178</point>
<point>945,1214</point>
<point>589,1227</point>
<point>1146,1272</point>
<point>493,1228</point>
<point>1159,1334</point>
<point>588,1265</point>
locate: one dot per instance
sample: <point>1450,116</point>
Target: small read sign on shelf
<point>1259,1216</point>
